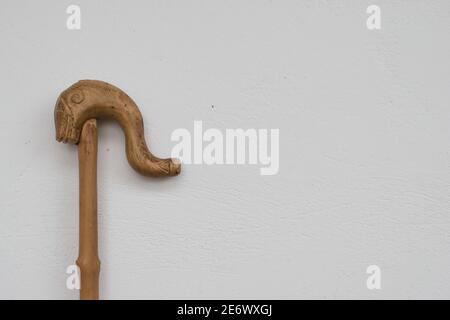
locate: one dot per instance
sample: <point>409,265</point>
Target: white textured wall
<point>364,119</point>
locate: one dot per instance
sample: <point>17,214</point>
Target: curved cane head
<point>93,99</point>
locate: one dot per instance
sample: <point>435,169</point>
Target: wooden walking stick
<point>75,112</point>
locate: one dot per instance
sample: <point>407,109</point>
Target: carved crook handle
<point>93,99</point>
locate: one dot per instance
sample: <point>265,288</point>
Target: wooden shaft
<point>88,260</point>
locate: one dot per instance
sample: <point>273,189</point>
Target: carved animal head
<point>93,99</point>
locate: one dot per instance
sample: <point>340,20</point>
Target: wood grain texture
<point>88,260</point>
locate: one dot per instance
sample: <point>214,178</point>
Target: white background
<point>364,119</point>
